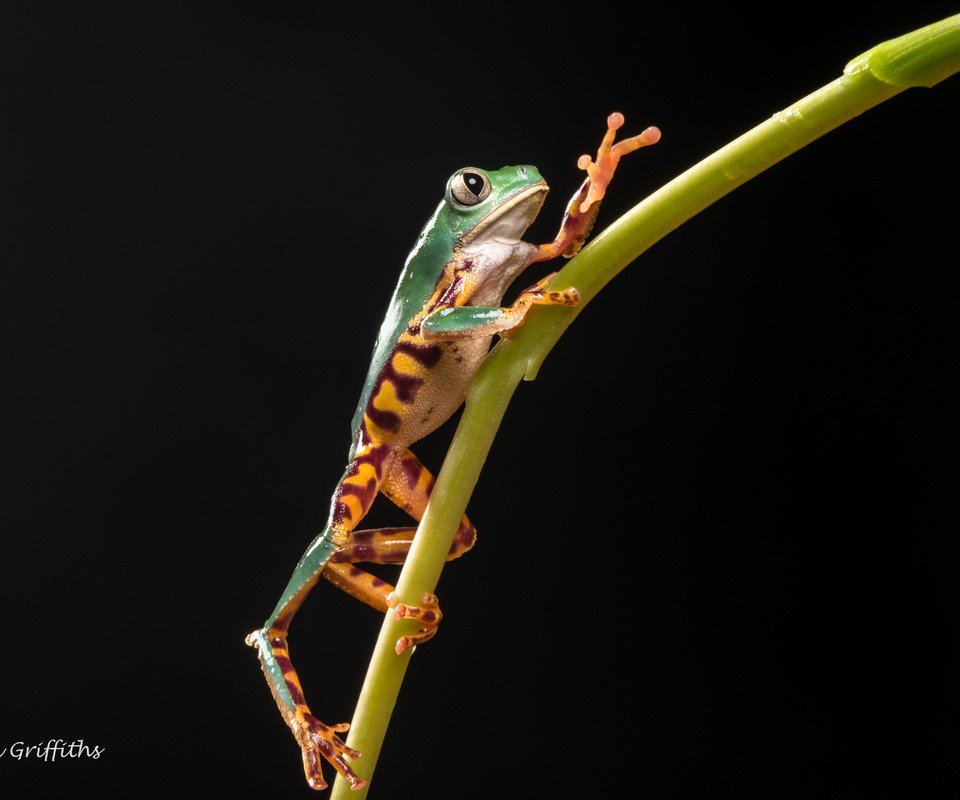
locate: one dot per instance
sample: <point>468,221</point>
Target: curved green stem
<point>921,58</point>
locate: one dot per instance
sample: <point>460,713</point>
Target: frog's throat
<point>511,218</point>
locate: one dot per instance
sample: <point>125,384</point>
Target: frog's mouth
<point>510,219</point>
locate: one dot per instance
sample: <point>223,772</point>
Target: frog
<point>440,322</point>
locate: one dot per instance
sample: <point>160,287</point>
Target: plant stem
<point>921,58</point>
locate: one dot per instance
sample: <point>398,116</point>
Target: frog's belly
<point>442,391</point>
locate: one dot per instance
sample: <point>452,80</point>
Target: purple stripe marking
<point>425,354</point>
<point>383,419</point>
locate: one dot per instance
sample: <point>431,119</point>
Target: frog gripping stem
<point>428,615</point>
<point>441,322</point>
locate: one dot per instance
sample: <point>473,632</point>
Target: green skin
<point>480,244</point>
<point>446,233</point>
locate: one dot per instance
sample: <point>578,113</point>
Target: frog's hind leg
<point>408,484</point>
<point>355,493</point>
<point>315,738</point>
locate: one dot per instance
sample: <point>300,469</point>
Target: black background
<point>716,550</point>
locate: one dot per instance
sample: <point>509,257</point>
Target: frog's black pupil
<point>474,182</point>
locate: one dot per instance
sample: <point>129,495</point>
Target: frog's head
<point>495,204</point>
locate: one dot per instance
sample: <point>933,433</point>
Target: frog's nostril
<point>522,171</point>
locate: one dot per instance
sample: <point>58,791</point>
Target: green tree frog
<point>437,330</point>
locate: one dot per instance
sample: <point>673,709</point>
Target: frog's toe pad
<point>321,741</point>
<point>568,297</point>
<point>428,615</point>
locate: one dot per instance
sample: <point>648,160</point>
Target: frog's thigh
<point>408,484</point>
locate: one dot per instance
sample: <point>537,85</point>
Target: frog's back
<point>418,282</point>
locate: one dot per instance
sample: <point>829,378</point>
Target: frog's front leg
<point>474,322</point>
<point>582,209</point>
<point>408,484</point>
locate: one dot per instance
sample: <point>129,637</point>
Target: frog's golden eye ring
<point>470,187</point>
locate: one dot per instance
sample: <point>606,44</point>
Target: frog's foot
<point>428,615</point>
<point>609,154</point>
<point>318,741</point>
<point>539,294</point>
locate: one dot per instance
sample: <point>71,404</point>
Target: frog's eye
<point>469,188</point>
